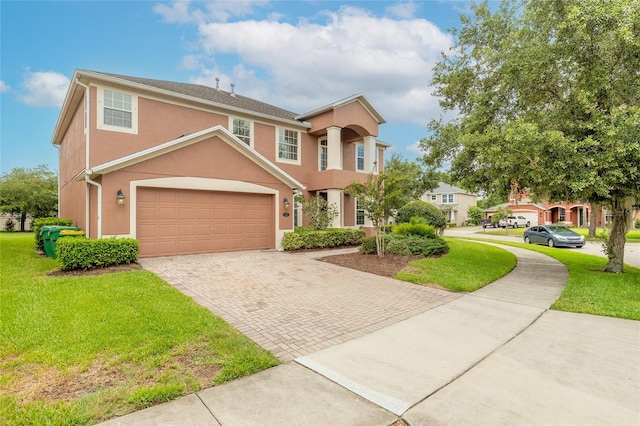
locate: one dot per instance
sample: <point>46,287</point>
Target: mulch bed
<point>388,265</point>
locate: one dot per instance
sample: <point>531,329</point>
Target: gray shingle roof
<point>209,94</point>
<point>445,188</point>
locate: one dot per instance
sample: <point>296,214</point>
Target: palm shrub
<point>417,226</point>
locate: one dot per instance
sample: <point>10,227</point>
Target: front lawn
<point>589,290</point>
<point>466,267</point>
<point>82,349</point>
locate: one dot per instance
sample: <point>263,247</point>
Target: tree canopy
<point>24,191</point>
<point>548,102</point>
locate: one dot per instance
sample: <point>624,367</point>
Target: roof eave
<point>140,86</point>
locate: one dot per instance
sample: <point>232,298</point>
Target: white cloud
<point>4,87</point>
<point>218,10</point>
<point>403,10</point>
<point>304,65</point>
<point>44,89</point>
<point>414,148</point>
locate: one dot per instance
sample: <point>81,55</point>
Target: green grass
<point>128,340</point>
<point>589,290</point>
<point>633,236</point>
<point>466,267</point>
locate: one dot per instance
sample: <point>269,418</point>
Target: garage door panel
<point>176,221</point>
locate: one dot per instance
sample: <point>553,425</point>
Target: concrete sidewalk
<point>496,356</point>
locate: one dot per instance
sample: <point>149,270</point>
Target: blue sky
<point>298,55</point>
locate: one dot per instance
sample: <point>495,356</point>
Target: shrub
<point>47,221</point>
<point>419,229</point>
<point>327,238</point>
<point>414,244</point>
<point>427,211</point>
<point>637,224</point>
<point>369,245</point>
<point>83,253</point>
<point>9,225</point>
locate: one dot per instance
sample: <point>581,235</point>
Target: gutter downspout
<point>58,148</point>
<point>87,171</point>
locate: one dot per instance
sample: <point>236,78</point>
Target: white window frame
<point>322,148</point>
<point>447,199</point>
<point>281,131</point>
<point>359,208</point>
<point>358,146</point>
<point>100,111</point>
<point>232,129</point>
<point>434,197</point>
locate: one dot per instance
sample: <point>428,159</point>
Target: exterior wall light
<point>285,203</point>
<point>120,197</point>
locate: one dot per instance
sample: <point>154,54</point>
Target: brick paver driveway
<point>292,304</point>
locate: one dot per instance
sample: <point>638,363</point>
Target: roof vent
<point>233,86</point>
<point>218,83</point>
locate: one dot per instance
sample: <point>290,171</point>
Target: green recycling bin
<point>59,232</point>
<point>46,240</point>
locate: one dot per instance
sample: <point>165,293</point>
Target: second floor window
<point>117,109</point>
<point>323,154</point>
<point>447,198</point>
<point>360,158</point>
<point>288,145</point>
<point>242,129</point>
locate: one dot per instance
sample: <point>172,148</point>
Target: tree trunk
<point>617,238</point>
<point>594,217</point>
<point>23,220</point>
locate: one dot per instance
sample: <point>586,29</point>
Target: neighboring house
<point>575,214</point>
<point>454,202</point>
<point>186,168</point>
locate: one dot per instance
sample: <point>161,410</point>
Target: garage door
<point>179,221</point>
<point>531,216</point>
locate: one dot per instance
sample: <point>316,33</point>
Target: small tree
<point>475,215</point>
<point>32,191</point>
<point>427,211</point>
<point>501,214</point>
<point>318,211</point>
<point>380,196</point>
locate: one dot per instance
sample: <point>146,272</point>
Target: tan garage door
<point>179,221</point>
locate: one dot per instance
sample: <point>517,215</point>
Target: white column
<point>334,197</point>
<point>370,155</point>
<point>334,148</point>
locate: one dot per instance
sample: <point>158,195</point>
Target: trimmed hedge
<point>304,239</point>
<point>83,253</point>
<point>418,229</point>
<point>414,244</point>
<point>406,245</point>
<point>47,221</point>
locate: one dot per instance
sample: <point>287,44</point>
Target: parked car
<point>514,222</point>
<point>488,223</point>
<point>553,236</point>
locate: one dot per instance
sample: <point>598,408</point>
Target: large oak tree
<point>547,98</point>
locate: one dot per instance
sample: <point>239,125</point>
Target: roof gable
<point>362,99</point>
<point>186,140</point>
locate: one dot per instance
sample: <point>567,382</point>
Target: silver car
<point>553,236</point>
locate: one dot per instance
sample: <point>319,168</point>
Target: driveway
<point>291,304</point>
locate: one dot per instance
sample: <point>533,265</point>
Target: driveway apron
<point>292,304</point>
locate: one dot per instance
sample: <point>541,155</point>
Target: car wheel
<point>527,240</point>
<point>579,246</point>
<point>515,226</point>
<point>551,243</point>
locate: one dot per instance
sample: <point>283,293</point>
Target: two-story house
<point>454,202</point>
<point>187,168</point>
